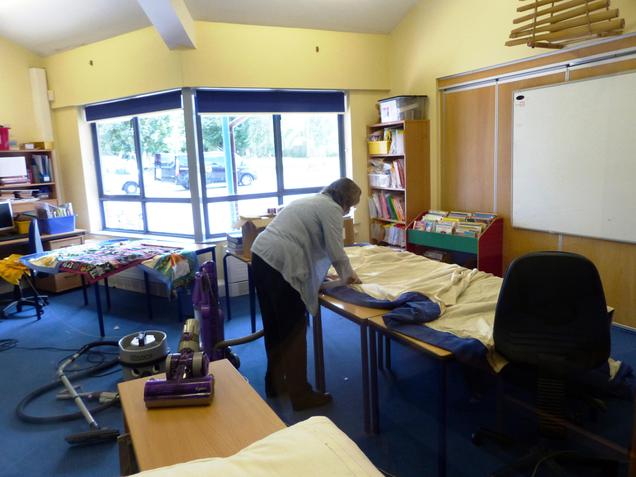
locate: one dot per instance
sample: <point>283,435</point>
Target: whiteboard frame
<point>512,158</point>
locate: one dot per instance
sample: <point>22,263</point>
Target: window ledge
<point>165,238</point>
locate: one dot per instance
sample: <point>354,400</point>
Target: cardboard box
<point>42,145</point>
<point>250,228</point>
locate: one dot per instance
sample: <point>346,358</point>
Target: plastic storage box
<point>379,147</point>
<point>57,225</point>
<point>400,108</point>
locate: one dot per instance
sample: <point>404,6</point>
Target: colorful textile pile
<point>173,265</point>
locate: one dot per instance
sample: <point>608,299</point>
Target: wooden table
<point>359,315</point>
<point>236,418</point>
<point>371,327</point>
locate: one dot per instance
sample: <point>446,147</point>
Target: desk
<point>87,261</point>
<point>376,325</point>
<point>44,237</point>
<point>236,418</point>
<point>359,315</point>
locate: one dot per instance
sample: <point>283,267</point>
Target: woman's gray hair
<point>344,192</point>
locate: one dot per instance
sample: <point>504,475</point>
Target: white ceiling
<point>49,26</point>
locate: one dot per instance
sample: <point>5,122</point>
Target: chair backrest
<point>551,313</point>
<point>35,241</point>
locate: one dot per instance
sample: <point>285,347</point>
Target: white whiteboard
<point>574,158</point>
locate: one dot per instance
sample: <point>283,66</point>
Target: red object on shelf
<point>4,138</point>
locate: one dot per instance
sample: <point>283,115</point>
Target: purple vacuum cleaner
<point>188,382</point>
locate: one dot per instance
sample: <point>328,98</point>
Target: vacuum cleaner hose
<point>20,409</point>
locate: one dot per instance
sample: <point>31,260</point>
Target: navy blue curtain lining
<point>245,101</point>
<point>225,101</point>
<point>133,106</point>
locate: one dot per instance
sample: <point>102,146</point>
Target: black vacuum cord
<point>20,409</point>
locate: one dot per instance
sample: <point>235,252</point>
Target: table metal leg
<point>228,311</point>
<point>100,315</point>
<point>107,293</point>
<point>373,361</point>
<point>441,431</point>
<point>380,351</point>
<point>364,352</point>
<point>84,291</point>
<point>387,351</point>
<point>250,285</point>
<point>148,297</point>
<point>319,358</point>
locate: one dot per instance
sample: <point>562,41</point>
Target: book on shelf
<point>397,142</point>
<point>466,224</point>
<point>387,206</point>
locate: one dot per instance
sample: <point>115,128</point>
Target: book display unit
<point>399,178</point>
<point>27,177</point>
<point>470,239</point>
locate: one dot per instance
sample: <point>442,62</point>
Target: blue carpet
<point>406,446</point>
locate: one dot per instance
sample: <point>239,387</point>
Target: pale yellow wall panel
<point>76,165</point>
<point>16,102</point>
<point>126,65</point>
<point>227,55</point>
<point>246,56</point>
<point>361,112</point>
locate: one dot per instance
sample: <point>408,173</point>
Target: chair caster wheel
<point>477,439</point>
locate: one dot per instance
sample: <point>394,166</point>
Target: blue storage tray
<point>57,225</point>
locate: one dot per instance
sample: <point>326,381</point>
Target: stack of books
<point>235,243</point>
<point>386,206</point>
<point>467,224</point>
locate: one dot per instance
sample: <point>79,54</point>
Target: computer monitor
<point>6,215</point>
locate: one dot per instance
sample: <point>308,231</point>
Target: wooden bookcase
<point>415,193</point>
<point>33,183</point>
<point>483,252</point>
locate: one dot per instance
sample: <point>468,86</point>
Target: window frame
<point>141,198</point>
<point>133,115</point>
<point>281,191</point>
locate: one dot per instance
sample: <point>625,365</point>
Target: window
<point>290,145</point>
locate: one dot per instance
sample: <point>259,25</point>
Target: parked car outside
<point>214,170</point>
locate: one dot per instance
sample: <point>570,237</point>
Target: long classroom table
<point>371,323</point>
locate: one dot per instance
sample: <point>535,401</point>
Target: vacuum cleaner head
<point>188,392</point>
<point>94,436</point>
<point>187,382</point>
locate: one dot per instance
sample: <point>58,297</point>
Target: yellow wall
<point>227,56</point>
<point>440,37</point>
<point>16,103</point>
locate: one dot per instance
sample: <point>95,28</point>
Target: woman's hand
<point>354,279</point>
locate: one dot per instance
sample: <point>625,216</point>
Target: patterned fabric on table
<point>173,265</point>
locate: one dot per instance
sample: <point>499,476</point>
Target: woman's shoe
<point>310,400</point>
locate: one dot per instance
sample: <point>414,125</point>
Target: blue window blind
<point>133,106</point>
<point>246,101</point>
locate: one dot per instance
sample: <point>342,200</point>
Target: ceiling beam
<point>172,20</point>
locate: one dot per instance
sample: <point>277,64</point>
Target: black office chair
<point>36,300</point>
<point>552,321</point>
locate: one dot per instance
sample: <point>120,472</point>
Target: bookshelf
<point>398,178</point>
<point>45,187</point>
<point>483,252</point>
